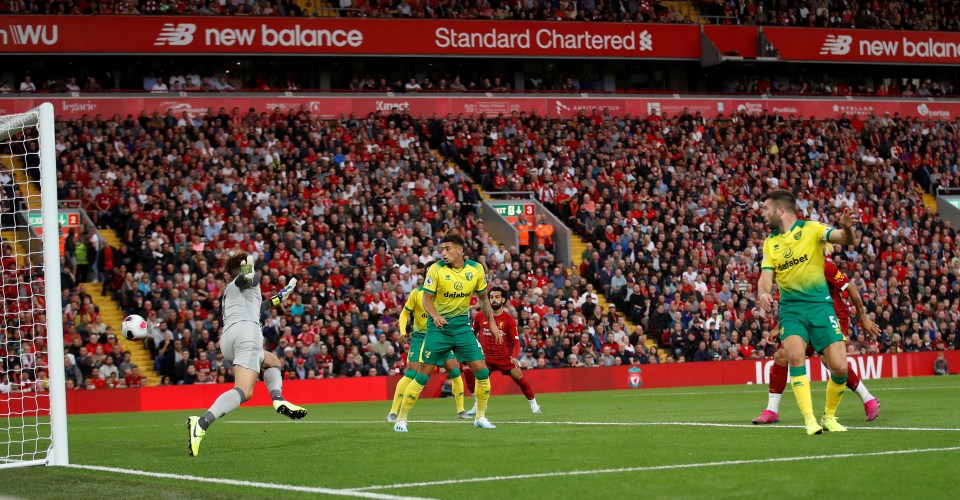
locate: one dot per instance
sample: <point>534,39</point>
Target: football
<point>134,327</point>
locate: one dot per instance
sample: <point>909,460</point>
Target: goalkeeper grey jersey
<point>241,303</point>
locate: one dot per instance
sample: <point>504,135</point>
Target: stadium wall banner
<point>333,36</point>
<point>865,46</point>
<point>332,106</point>
<point>543,381</point>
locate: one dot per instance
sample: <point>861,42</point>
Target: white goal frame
<point>42,117</point>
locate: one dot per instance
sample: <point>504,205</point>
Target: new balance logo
<point>176,35</point>
<point>836,45</point>
<point>645,41</point>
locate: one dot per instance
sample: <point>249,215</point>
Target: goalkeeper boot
<point>767,417</point>
<point>392,418</point>
<point>872,409</point>
<point>195,435</point>
<point>483,423</point>
<point>831,424</point>
<point>400,426</point>
<point>813,428</point>
<point>289,409</point>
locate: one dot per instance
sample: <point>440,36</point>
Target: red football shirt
<point>837,281</point>
<point>503,352</point>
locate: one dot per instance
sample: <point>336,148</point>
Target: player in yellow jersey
<point>793,254</point>
<point>447,289</point>
<point>414,307</point>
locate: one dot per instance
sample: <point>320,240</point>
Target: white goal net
<point>32,394</point>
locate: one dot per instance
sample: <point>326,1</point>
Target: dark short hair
<point>454,238</point>
<point>781,197</point>
<point>503,292</point>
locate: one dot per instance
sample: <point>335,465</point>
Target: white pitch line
<point>635,393</point>
<point>613,424</point>
<point>248,484</point>
<point>654,468</point>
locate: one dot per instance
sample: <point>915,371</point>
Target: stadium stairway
<point>15,238</point>
<point>110,236</point>
<point>686,9</point>
<point>930,201</point>
<point>113,317</point>
<point>30,190</point>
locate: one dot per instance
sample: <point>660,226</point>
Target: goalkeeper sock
<point>411,395</point>
<point>835,387</point>
<point>274,380</point>
<point>401,387</point>
<point>801,391</point>
<point>483,392</point>
<point>226,403</point>
<point>456,381</point>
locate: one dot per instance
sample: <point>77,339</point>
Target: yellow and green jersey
<point>414,305</point>
<point>452,288</point>
<point>796,257</point>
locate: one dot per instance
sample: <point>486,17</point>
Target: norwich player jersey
<point>414,304</point>
<point>797,259</point>
<point>452,288</point>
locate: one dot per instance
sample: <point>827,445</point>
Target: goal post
<point>33,380</point>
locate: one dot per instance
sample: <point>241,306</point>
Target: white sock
<point>863,392</point>
<point>773,402</point>
<point>274,380</point>
<point>533,403</point>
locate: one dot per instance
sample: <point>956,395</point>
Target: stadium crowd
<point>917,15</point>
<point>352,206</point>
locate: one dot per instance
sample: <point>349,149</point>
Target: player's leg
<point>435,348</point>
<point>456,382</point>
<point>274,380</point>
<point>480,371</point>
<point>517,375</point>
<point>794,342</point>
<point>471,383</point>
<point>778,382</point>
<point>413,363</point>
<point>871,405</point>
<point>835,356</point>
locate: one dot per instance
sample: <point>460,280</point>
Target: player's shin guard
<point>456,383</point>
<point>835,387</point>
<point>527,390</point>
<point>483,392</point>
<point>801,391</point>
<point>274,380</point>
<point>226,403</point>
<point>411,395</point>
<point>402,384</point>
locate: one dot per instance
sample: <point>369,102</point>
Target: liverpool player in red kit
<point>837,282</point>
<point>500,357</point>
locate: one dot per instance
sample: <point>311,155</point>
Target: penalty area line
<point>599,424</point>
<point>655,468</point>
<point>247,484</point>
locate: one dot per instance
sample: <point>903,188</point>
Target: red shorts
<point>499,365</point>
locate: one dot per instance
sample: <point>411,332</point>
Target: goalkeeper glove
<point>284,292</point>
<point>246,268</point>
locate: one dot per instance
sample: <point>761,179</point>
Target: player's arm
<point>402,322</point>
<point>845,235</point>
<point>484,302</point>
<point>868,325</point>
<point>432,311</point>
<point>765,289</point>
<point>280,296</point>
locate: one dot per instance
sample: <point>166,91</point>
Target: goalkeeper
<point>242,345</point>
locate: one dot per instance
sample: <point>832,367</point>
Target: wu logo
<point>176,35</point>
<point>836,45</point>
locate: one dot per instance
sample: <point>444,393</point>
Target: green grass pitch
<point>676,443</point>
